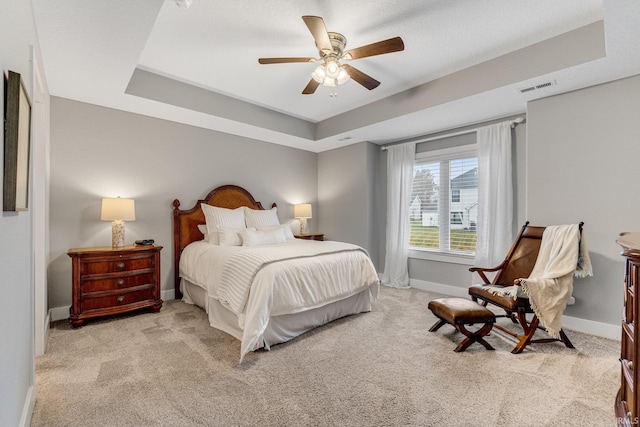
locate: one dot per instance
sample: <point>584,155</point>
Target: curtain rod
<point>513,124</point>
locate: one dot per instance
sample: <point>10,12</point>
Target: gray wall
<point>577,162</point>
<point>99,152</point>
<point>347,195</point>
<point>17,36</point>
<point>583,150</point>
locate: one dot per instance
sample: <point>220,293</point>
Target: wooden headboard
<point>185,222</point>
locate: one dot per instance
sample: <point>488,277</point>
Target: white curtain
<point>400,159</point>
<point>495,195</point>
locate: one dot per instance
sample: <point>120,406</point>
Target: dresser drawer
<point>93,302</point>
<point>114,265</point>
<point>117,282</point>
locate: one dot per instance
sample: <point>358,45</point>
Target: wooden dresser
<point>627,401</point>
<point>110,281</point>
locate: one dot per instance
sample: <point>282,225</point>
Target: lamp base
<point>303,225</point>
<point>117,234</point>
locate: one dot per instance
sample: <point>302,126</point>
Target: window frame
<point>439,155</point>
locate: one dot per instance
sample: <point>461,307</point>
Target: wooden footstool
<point>459,312</point>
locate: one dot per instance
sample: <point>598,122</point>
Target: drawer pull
<point>120,265</point>
<point>120,299</point>
<point>630,365</point>
<point>120,282</point>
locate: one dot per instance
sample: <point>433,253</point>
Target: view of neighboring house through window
<point>444,201</point>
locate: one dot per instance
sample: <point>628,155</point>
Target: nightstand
<point>312,236</point>
<point>110,281</point>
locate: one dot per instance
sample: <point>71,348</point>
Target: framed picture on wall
<point>15,194</point>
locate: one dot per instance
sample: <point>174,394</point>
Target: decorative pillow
<point>230,236</point>
<point>217,218</point>
<point>260,218</point>
<point>209,238</point>
<point>253,237</point>
<point>286,230</point>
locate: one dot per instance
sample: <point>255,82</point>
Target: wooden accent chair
<point>518,263</point>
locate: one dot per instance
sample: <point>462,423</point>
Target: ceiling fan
<point>333,71</point>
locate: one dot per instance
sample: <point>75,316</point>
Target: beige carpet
<point>381,368</point>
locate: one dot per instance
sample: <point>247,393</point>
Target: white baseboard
<point>591,327</point>
<point>439,288</point>
<point>166,295</point>
<point>577,324</point>
<point>27,409</point>
<point>59,313</point>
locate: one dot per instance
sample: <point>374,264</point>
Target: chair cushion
<point>460,311</point>
<point>483,292</point>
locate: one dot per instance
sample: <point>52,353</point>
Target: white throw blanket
<point>563,255</point>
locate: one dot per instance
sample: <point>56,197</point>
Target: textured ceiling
<point>199,65</point>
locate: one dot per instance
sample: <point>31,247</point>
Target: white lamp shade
<point>302,210</point>
<point>118,209</point>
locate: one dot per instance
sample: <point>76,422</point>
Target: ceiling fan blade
<point>385,46</point>
<point>285,60</point>
<point>360,77</point>
<point>311,87</point>
<point>319,32</point>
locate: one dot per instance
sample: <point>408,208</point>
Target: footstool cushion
<point>459,312</point>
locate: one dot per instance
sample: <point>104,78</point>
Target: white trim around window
<point>451,258</point>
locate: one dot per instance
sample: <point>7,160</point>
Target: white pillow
<point>203,229</point>
<point>230,236</point>
<point>218,218</point>
<point>261,218</point>
<point>286,230</point>
<point>253,237</point>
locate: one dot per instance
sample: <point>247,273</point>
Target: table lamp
<point>302,212</point>
<point>117,210</point>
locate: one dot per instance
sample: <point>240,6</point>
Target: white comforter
<point>277,279</point>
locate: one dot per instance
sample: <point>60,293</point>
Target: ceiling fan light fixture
<point>330,82</point>
<point>333,68</point>
<point>343,76</point>
<point>330,74</point>
<point>319,74</point>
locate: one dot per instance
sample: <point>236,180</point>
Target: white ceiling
<point>199,65</point>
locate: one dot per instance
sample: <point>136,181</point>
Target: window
<point>456,218</point>
<point>444,201</point>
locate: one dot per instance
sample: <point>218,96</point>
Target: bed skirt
<point>281,328</point>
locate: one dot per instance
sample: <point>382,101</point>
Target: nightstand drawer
<point>116,283</point>
<point>106,300</point>
<point>114,264</point>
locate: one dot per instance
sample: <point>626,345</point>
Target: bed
<point>255,281</point>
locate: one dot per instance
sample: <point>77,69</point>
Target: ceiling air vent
<point>538,86</point>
